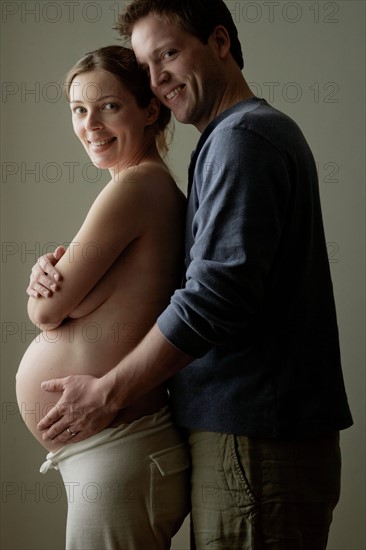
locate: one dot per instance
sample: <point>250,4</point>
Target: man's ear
<point>153,111</point>
<point>221,40</point>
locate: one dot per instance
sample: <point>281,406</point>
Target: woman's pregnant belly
<point>108,323</point>
<point>79,346</point>
<point>90,345</point>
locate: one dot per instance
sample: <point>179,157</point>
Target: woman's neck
<point>147,153</point>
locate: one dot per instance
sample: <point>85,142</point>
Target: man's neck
<point>237,90</point>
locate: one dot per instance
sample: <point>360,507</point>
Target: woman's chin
<point>101,164</point>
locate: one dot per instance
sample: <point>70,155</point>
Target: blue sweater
<point>257,309</point>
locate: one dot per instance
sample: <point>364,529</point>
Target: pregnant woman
<point>116,277</point>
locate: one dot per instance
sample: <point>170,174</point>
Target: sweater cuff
<point>181,335</point>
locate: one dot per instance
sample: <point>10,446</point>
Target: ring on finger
<point>71,434</point>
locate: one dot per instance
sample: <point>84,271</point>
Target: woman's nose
<point>93,121</point>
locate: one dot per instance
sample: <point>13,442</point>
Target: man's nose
<point>157,76</point>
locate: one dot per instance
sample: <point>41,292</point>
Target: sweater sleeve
<point>243,190</point>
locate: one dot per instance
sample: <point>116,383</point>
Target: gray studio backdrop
<point>306,58</point>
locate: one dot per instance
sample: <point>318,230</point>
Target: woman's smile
<point>107,119</point>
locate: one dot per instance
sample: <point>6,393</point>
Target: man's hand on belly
<point>81,412</point>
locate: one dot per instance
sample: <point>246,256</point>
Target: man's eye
<point>169,54</point>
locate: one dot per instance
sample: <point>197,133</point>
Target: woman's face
<point>107,120</point>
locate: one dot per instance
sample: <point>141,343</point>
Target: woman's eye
<point>110,106</point>
<point>79,110</point>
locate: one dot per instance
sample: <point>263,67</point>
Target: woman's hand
<point>44,277</point>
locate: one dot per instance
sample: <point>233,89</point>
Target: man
<point>251,338</point>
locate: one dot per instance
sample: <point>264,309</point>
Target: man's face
<point>184,72</point>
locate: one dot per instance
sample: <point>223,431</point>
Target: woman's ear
<point>153,111</point>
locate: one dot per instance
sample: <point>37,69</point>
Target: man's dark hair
<point>197,17</point>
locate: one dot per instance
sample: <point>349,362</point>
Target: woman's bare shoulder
<point>149,173</point>
<point>152,181</point>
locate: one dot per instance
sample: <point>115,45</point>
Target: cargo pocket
<point>170,485</point>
